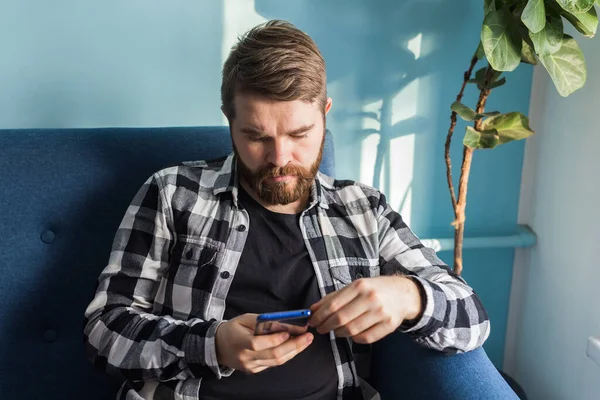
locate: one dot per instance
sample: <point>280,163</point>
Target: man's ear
<point>328,105</point>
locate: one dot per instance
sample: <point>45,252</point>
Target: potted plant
<point>514,32</point>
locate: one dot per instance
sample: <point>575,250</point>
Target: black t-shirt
<point>275,274</point>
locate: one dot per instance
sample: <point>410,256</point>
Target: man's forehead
<point>252,102</point>
<point>265,115</point>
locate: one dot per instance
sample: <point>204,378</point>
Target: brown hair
<point>275,60</point>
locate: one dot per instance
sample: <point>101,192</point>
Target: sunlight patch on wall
<point>370,142</point>
<point>415,45</point>
<point>401,175</point>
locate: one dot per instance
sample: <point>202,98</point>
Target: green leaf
<point>488,6</point>
<point>480,140</point>
<point>480,74</point>
<point>469,114</point>
<point>496,75</point>
<point>480,78</point>
<point>549,39</point>
<point>463,111</point>
<point>586,23</point>
<point>511,126</point>
<point>566,67</point>
<point>480,53</point>
<point>501,41</point>
<point>576,6</point>
<point>498,83</point>
<point>534,15</point>
<point>527,54</point>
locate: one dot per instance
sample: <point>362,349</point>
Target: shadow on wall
<point>382,58</point>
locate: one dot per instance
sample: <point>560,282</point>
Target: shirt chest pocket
<point>353,269</point>
<point>191,277</point>
<point>194,253</point>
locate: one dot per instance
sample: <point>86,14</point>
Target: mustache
<point>288,170</point>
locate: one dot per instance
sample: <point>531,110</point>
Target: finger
<point>331,304</point>
<point>316,306</point>
<point>354,309</point>
<point>273,362</point>
<point>296,343</point>
<point>258,370</point>
<point>319,303</point>
<point>262,342</point>
<point>373,334</point>
<point>359,325</point>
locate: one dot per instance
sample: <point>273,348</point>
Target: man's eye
<point>301,136</point>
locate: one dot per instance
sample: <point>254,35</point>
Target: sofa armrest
<point>401,368</point>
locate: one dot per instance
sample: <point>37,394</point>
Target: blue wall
<point>109,63</point>
<point>394,67</point>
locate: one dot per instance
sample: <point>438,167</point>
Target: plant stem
<point>465,169</point>
<point>453,117</point>
<point>458,228</point>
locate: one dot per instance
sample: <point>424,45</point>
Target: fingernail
<point>309,339</point>
<point>285,336</point>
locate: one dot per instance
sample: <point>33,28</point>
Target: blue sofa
<point>64,193</point>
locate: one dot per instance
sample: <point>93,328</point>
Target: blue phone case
<point>283,315</point>
<point>294,322</point>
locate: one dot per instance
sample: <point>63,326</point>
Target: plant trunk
<point>465,170</point>
<point>459,229</point>
<point>459,223</point>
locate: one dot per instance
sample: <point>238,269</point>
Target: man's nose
<point>279,154</point>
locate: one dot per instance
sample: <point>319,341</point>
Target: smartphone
<point>294,322</point>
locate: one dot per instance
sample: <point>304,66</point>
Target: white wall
<point>555,301</point>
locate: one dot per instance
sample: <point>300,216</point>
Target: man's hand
<point>238,348</point>
<point>368,309</point>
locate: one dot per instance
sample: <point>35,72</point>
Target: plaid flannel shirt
<point>162,296</point>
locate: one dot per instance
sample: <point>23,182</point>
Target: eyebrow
<point>302,129</point>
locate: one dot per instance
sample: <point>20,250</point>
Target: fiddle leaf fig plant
<point>514,32</point>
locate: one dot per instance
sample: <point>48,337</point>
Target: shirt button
<point>225,274</point>
<point>359,276</point>
<point>241,228</point>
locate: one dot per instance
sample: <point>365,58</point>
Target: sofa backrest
<point>64,192</point>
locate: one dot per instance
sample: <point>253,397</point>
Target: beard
<point>280,193</point>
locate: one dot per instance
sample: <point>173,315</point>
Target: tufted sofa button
<point>50,336</point>
<point>48,236</point>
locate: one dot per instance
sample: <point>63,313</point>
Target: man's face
<point>279,145</point>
